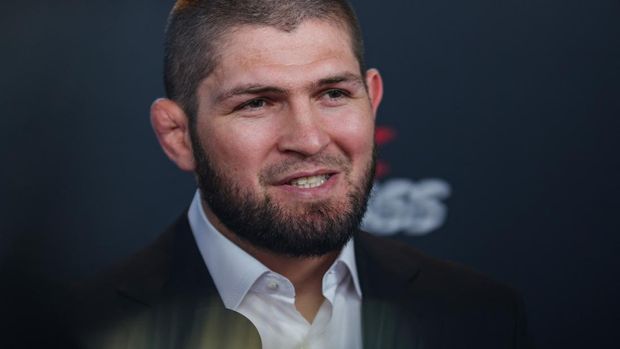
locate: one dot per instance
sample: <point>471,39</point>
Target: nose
<point>302,131</point>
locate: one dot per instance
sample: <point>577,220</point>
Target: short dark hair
<point>195,27</point>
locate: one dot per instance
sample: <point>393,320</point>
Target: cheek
<point>237,149</point>
<point>354,133</point>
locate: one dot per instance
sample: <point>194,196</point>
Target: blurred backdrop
<point>511,109</point>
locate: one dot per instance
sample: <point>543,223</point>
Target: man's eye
<point>253,104</point>
<point>335,94</point>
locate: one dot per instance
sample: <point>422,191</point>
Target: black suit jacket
<point>164,297</point>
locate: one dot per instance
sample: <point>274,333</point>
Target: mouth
<point>309,182</point>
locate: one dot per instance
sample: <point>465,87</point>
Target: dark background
<point>514,103</point>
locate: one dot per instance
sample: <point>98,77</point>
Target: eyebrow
<point>252,89</point>
<point>255,89</point>
<point>344,77</point>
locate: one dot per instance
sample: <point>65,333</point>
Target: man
<point>270,105</point>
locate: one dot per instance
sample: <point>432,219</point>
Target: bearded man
<point>269,103</point>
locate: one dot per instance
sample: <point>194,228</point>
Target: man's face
<point>284,138</point>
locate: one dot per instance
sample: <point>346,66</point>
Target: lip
<point>286,180</point>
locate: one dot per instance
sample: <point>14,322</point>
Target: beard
<point>306,230</point>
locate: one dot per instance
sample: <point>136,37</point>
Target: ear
<point>375,89</point>
<point>171,127</point>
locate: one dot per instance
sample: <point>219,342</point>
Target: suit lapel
<point>184,307</point>
<point>386,280</point>
<point>188,275</point>
<point>171,268</point>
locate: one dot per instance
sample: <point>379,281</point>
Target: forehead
<point>263,52</point>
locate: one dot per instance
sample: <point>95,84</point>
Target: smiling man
<point>282,146</point>
<point>270,105</point>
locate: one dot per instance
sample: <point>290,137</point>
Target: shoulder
<point>432,278</point>
<point>444,301</point>
<point>162,294</point>
<point>147,267</point>
<point>123,288</point>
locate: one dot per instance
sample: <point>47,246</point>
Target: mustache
<point>275,171</point>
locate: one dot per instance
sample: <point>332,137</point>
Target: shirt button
<point>272,285</point>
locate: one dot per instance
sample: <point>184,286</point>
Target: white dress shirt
<point>267,298</point>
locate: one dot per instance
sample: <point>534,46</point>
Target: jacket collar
<point>171,269</point>
<point>387,274</point>
<point>384,269</point>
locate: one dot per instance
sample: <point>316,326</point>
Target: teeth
<point>309,182</point>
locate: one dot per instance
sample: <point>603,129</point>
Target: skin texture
<point>278,106</point>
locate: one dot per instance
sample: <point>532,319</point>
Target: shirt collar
<point>233,270</point>
<point>347,256</point>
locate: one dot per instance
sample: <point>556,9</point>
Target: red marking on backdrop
<point>383,135</point>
